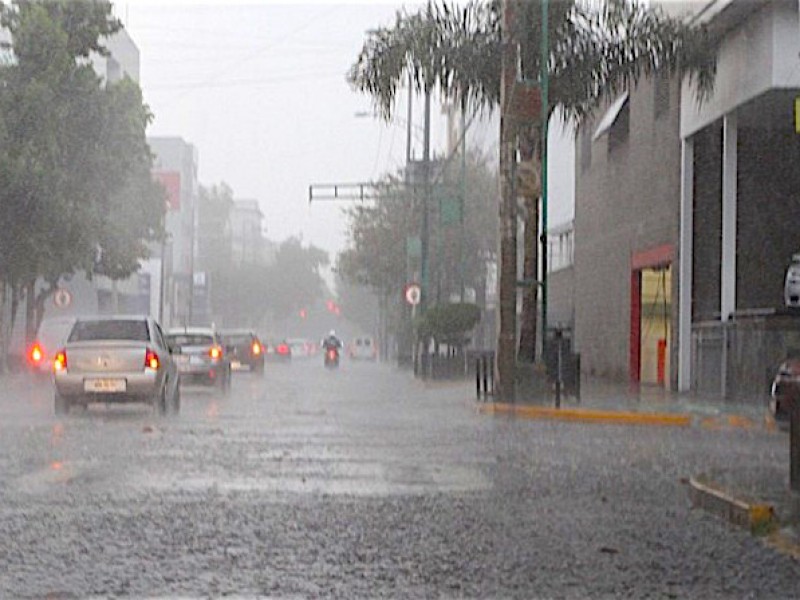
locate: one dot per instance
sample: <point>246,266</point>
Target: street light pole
<point>545,89</point>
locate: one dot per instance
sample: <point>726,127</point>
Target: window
<point>620,130</point>
<point>111,329</point>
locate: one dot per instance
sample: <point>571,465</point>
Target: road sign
<point>413,294</point>
<point>62,298</point>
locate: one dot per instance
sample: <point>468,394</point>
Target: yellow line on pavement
<point>582,414</point>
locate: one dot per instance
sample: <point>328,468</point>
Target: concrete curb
<point>758,518</point>
<point>753,516</point>
<point>586,415</point>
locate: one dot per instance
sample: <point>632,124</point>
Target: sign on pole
<point>413,294</point>
<point>62,298</point>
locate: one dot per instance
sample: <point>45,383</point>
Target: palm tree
<point>594,53</point>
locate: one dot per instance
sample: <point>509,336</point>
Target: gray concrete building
<point>176,165</point>
<point>686,214</point>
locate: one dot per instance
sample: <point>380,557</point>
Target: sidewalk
<point>759,499</point>
<point>608,401</point>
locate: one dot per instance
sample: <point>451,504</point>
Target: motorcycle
<point>332,358</point>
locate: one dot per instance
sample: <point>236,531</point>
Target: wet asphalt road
<point>363,483</point>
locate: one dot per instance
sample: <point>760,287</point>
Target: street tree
<point>383,234</point>
<point>76,190</point>
<point>594,52</point>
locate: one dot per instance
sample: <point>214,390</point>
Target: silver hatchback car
<point>116,360</point>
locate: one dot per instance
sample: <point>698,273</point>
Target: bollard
<point>478,376</point>
<point>485,377</point>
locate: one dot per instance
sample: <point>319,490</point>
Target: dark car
<point>244,349</point>
<point>278,351</point>
<point>200,356</point>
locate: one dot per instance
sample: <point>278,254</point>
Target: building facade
<point>175,166</point>
<point>685,214</point>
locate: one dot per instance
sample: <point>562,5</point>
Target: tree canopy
<point>595,51</point>
<point>77,192</point>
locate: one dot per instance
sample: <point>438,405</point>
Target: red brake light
<point>151,360</point>
<point>60,361</point>
<point>36,354</point>
<point>256,348</point>
<point>283,349</point>
<point>215,352</point>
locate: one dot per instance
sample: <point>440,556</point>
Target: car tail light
<point>60,361</point>
<point>256,348</point>
<point>215,352</point>
<point>151,360</point>
<point>36,354</point>
<point>283,349</point>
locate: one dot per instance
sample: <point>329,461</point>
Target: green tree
<point>243,295</point>
<point>75,175</point>
<point>594,52</point>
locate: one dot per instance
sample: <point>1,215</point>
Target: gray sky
<point>259,88</point>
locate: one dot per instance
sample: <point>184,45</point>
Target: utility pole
<point>545,89</point>
<point>426,201</point>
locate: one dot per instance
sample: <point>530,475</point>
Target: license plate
<point>235,364</point>
<point>104,385</point>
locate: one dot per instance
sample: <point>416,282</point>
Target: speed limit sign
<point>413,294</point>
<point>62,298</point>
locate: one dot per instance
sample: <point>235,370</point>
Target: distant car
<point>116,360</point>
<point>50,338</point>
<point>277,351</point>
<point>244,349</point>
<point>362,348</point>
<point>785,390</point>
<point>301,347</point>
<point>200,356</point>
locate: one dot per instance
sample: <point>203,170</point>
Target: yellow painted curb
<point>586,415</point>
<point>754,516</point>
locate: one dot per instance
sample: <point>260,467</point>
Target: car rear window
<point>110,329</point>
<point>190,340</point>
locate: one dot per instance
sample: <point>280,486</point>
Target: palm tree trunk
<point>506,358</point>
<point>530,307</point>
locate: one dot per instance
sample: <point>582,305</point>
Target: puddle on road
<point>373,480</point>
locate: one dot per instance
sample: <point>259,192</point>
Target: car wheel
<point>226,382</point>
<point>176,400</point>
<point>160,403</point>
<point>61,405</point>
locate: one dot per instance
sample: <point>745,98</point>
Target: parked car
<point>362,348</point>
<point>785,390</point>
<point>50,338</point>
<point>791,287</point>
<point>277,351</point>
<point>116,360</point>
<point>200,356</point>
<point>244,349</point>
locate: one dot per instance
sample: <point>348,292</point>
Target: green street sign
<point>450,207</point>
<point>413,246</point>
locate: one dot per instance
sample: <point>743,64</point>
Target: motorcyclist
<point>332,342</point>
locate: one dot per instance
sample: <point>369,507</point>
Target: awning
<point>611,115</point>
